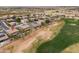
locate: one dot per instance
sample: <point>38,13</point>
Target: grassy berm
<point>68,35</point>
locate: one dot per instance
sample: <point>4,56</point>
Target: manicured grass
<point>68,35</point>
<point>71,21</point>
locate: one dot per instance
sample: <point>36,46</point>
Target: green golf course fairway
<point>68,35</point>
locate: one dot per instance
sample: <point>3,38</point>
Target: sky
<point>39,3</point>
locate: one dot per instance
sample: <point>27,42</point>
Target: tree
<point>18,20</point>
<point>47,21</point>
